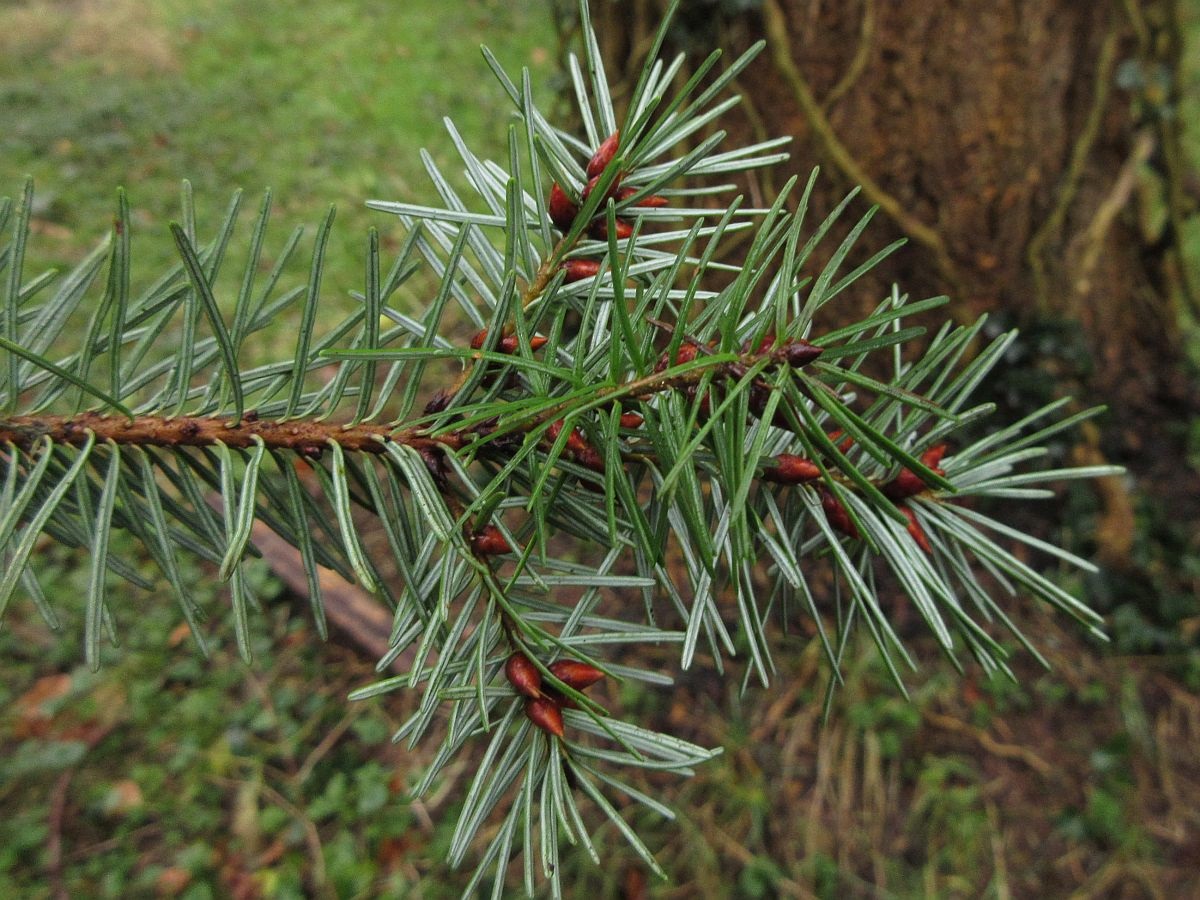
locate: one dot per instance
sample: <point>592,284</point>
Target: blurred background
<point>1042,160</point>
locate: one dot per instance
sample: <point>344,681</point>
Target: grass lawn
<point>321,102</point>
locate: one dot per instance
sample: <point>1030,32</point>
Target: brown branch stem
<point>304,436</point>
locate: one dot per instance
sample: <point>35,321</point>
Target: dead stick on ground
<point>990,744</point>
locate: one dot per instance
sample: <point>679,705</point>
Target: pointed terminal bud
<point>604,154</point>
<point>523,675</point>
<point>798,353</point>
<point>837,516</point>
<point>489,542</point>
<point>790,469</point>
<point>575,674</point>
<point>916,531</point>
<point>545,714</point>
<point>562,209</point>
<point>632,420</point>
<point>478,339</point>
<point>579,269</point>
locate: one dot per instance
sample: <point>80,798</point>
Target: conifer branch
<point>614,410</point>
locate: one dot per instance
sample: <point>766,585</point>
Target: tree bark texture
<point>1028,152</point>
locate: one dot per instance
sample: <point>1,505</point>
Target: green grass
<point>323,103</point>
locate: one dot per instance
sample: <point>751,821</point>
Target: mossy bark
<point>1029,153</point>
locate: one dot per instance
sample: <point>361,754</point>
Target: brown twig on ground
<point>989,743</point>
<point>312,837</point>
<point>350,610</point>
<point>58,810</point>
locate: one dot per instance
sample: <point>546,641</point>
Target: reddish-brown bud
<point>914,528</point>
<point>908,483</point>
<point>614,190</point>
<point>631,420</point>
<point>837,516</point>
<point>575,674</point>
<point>579,269</point>
<point>523,675</point>
<point>903,485</point>
<point>489,541</point>
<point>604,154</point>
<point>836,436</point>
<point>545,714</point>
<point>508,343</point>
<point>798,353</point>
<point>760,393</point>
<point>933,456</point>
<point>598,230</point>
<point>435,462</point>
<point>764,345</point>
<point>589,457</point>
<point>562,208</point>
<point>790,469</point>
<point>653,201</point>
<point>685,353</point>
<point>438,402</point>
<point>554,430</point>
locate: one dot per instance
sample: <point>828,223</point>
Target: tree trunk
<point>1029,153</point>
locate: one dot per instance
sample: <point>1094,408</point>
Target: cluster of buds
<point>544,703</point>
<point>789,469</point>
<point>794,353</point>
<point>909,484</point>
<point>836,515</point>
<point>564,210</point>
<point>507,345</point>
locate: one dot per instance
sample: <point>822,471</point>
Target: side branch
<point>302,436</point>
